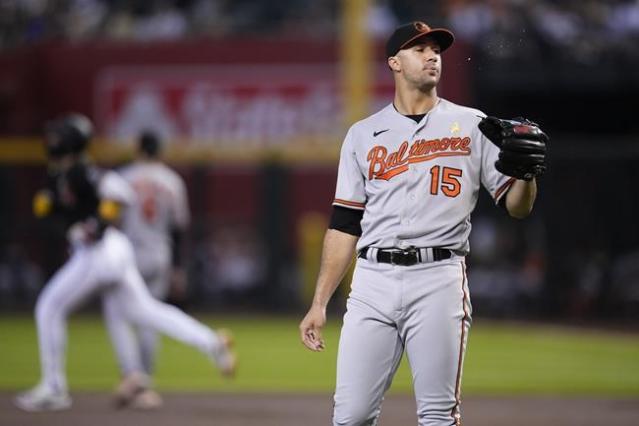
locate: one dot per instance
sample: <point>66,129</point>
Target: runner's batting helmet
<point>69,134</point>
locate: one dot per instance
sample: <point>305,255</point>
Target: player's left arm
<point>520,198</point>
<point>522,156</point>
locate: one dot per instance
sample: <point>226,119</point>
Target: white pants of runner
<point>136,347</point>
<point>107,266</point>
<point>422,309</point>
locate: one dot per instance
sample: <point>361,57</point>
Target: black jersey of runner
<point>75,193</point>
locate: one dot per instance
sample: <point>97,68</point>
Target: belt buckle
<point>406,257</point>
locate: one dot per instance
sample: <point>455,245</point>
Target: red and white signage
<point>226,106</point>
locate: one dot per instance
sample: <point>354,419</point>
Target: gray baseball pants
<point>423,310</point>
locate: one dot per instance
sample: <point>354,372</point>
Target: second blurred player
<point>156,223</point>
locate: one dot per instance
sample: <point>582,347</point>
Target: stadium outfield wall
<point>268,93</point>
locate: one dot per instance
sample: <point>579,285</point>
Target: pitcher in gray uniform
<point>408,180</point>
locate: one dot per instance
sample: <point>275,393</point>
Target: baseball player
<point>408,180</point>
<point>154,222</point>
<point>102,260</point>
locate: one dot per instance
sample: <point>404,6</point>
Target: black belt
<point>408,257</point>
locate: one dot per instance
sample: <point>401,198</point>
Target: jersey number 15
<point>449,185</point>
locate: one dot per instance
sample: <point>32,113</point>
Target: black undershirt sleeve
<point>347,220</point>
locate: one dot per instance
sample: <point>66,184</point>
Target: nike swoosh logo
<point>375,134</point>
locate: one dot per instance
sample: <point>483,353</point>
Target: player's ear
<point>393,63</point>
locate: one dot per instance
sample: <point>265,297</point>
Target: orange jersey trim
<point>349,204</point>
<point>503,188</point>
<point>455,411</point>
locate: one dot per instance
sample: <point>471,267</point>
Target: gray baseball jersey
<point>417,182</point>
<point>161,205</point>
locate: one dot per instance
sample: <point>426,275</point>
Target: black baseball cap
<point>409,34</point>
<point>149,143</point>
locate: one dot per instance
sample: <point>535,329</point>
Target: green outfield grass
<point>502,359</point>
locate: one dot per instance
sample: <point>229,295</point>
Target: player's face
<point>421,64</point>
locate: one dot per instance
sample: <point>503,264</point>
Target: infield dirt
<point>199,409</point>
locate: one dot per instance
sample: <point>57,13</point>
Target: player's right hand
<point>311,328</point>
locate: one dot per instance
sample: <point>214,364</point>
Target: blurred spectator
<point>505,268</point>
<point>164,22</point>
<point>623,18</point>
<point>470,20</point>
<point>380,21</point>
<point>428,11</point>
<point>624,296</point>
<point>504,29</point>
<point>119,22</point>
<point>229,266</point>
<point>316,19</point>
<point>591,268</point>
<point>209,17</point>
<point>84,18</point>
<point>558,25</point>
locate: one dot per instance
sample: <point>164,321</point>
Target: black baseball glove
<point>522,146</point>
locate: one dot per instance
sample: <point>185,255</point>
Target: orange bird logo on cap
<point>421,27</point>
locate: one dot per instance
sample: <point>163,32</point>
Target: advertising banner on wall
<point>261,106</point>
